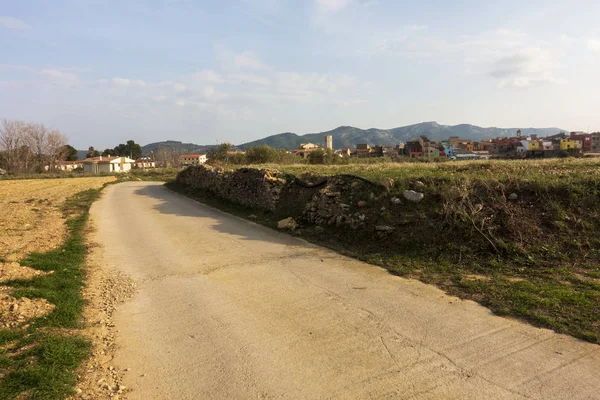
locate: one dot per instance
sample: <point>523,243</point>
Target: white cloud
<point>530,67</point>
<point>48,78</point>
<point>127,82</point>
<point>230,90</point>
<point>594,44</point>
<point>248,60</point>
<point>513,58</point>
<point>13,23</point>
<point>60,76</point>
<point>331,6</point>
<point>243,60</point>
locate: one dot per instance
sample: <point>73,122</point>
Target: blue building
<point>449,150</point>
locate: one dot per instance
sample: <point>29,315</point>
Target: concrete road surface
<point>228,309</point>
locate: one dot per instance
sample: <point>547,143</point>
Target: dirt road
<point>227,309</point>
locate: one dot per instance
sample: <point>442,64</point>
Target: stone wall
<point>340,201</point>
<point>250,187</point>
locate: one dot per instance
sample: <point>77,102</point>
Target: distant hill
<point>348,136</point>
<point>176,146</point>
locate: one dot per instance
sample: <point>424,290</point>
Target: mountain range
<point>189,148</point>
<point>348,136</point>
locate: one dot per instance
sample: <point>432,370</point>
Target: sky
<point>104,71</point>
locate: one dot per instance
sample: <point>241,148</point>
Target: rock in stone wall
<point>340,203</point>
<point>250,187</point>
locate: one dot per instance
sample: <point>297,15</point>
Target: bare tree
<point>12,138</point>
<point>55,148</point>
<point>37,139</point>
<point>167,157</point>
<point>25,147</point>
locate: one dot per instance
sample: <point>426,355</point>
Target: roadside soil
<point>106,288</point>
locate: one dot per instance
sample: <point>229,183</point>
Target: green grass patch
<point>45,369</point>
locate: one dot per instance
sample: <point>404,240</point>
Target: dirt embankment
<point>99,378</point>
<point>502,218</point>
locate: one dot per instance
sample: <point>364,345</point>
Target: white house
<point>192,159</point>
<point>67,166</point>
<point>523,146</point>
<point>145,163</point>
<point>107,165</point>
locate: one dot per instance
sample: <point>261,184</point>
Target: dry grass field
<point>32,219</point>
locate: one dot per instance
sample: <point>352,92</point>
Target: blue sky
<point>105,71</point>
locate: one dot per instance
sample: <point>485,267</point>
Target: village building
<point>585,139</point>
<point>363,150</point>
<point>328,142</point>
<point>413,148</point>
<point>66,166</point>
<point>144,163</point>
<point>192,159</point>
<point>107,165</point>
<point>304,149</point>
<point>596,142</point>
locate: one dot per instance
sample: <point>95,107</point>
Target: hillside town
<point>27,148</point>
<point>575,144</point>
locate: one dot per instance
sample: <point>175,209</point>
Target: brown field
<point>31,219</point>
<point>30,213</point>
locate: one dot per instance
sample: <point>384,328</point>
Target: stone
<point>252,216</point>
<point>362,217</point>
<point>513,196</point>
<point>319,229</point>
<point>339,220</point>
<point>344,206</point>
<point>419,184</point>
<point>396,200</point>
<point>388,183</point>
<point>287,223</point>
<point>361,203</point>
<point>333,194</point>
<point>324,213</point>
<point>385,228</point>
<point>413,196</point>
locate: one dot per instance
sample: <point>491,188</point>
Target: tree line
<point>129,149</point>
<point>265,154</point>
<point>27,147</point>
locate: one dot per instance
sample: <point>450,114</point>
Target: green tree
<point>108,153</point>
<point>316,156</point>
<point>261,155</point>
<point>129,149</point>
<point>92,152</point>
<point>219,153</point>
<point>70,153</point>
